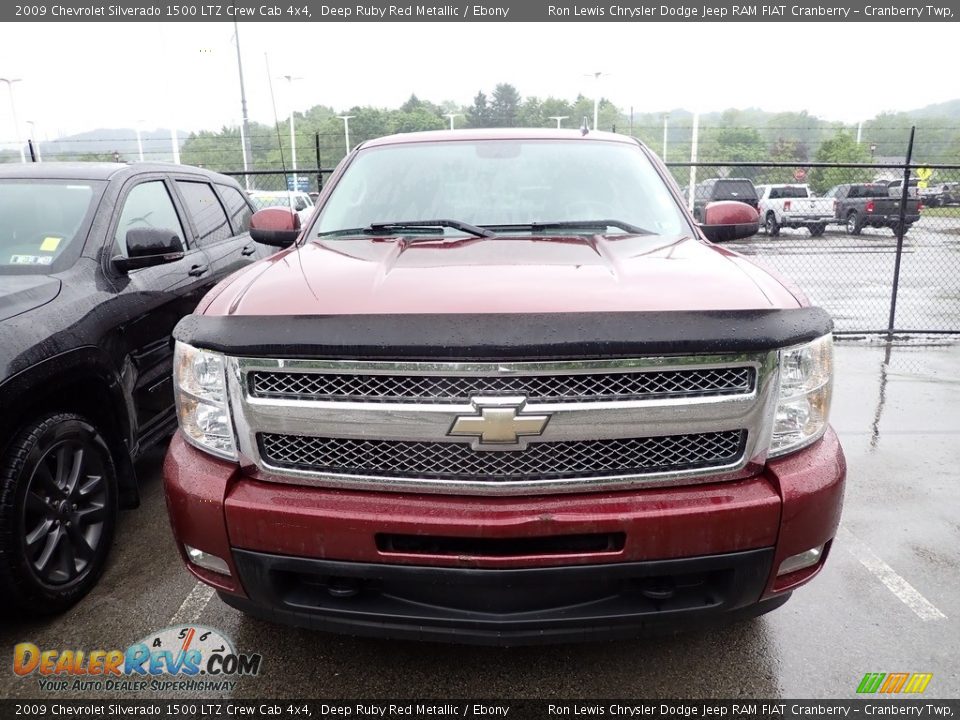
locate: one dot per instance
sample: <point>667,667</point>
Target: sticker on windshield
<point>50,244</point>
<point>30,260</point>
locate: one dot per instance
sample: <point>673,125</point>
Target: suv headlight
<point>200,389</point>
<point>806,384</point>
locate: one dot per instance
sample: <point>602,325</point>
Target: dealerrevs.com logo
<point>192,658</point>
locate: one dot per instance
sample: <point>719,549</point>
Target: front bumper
<point>498,606</point>
<point>317,557</point>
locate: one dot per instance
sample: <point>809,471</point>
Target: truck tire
<point>854,225</point>
<point>771,225</point>
<point>818,229</point>
<point>58,514</point>
<point>896,228</point>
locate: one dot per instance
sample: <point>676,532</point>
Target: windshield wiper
<point>417,224</point>
<point>573,225</point>
<point>413,227</point>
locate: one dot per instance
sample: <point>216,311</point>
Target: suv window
<point>148,205</point>
<point>734,190</point>
<point>207,212</point>
<point>240,211</point>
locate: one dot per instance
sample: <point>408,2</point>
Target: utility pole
<point>245,127</point>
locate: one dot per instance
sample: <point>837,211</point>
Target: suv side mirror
<point>726,220</point>
<point>275,226</point>
<point>147,247</point>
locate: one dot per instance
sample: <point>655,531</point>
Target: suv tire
<point>58,514</point>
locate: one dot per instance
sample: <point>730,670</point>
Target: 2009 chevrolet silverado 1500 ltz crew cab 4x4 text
<point>503,389</point>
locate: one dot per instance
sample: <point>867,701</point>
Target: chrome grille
<point>451,389</point>
<point>540,461</point>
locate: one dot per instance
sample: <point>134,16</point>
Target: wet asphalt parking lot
<point>887,600</point>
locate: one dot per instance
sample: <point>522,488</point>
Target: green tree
<point>504,106</point>
<point>479,116</point>
<point>841,148</point>
<point>415,120</point>
<point>785,151</point>
<point>531,114</point>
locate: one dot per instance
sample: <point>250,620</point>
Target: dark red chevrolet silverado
<point>503,389</point>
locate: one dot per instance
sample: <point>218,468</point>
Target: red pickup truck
<point>502,388</point>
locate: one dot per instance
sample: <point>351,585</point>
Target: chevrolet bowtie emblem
<point>499,421</point>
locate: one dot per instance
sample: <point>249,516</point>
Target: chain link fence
<point>835,230</point>
<point>832,228</point>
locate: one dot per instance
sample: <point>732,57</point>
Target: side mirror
<point>275,226</point>
<point>147,247</point>
<point>726,220</point>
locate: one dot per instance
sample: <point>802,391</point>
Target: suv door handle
<point>198,270</point>
<point>248,250</point>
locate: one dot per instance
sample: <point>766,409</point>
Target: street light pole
<point>451,116</point>
<point>596,97</point>
<point>13,111</point>
<point>293,137</point>
<point>346,130</point>
<point>33,139</point>
<point>559,119</point>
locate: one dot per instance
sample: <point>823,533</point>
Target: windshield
<point>502,182</point>
<point>43,223</point>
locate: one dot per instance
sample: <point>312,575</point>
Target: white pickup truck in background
<point>793,206</point>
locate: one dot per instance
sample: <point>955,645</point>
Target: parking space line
<point>191,607</point>
<point>905,592</point>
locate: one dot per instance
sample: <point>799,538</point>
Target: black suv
<point>98,262</point>
<point>714,189</point>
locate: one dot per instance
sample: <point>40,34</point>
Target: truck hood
<point>501,275</point>
<point>20,293</point>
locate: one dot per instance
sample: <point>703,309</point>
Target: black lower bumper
<point>501,607</point>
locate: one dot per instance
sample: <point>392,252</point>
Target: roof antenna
<point>584,127</point>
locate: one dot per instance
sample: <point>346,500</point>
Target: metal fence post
<point>901,229</point>
<point>316,144</point>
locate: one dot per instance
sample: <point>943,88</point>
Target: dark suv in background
<point>98,262</point>
<point>714,189</point>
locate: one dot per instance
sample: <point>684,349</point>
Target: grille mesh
<point>542,388</point>
<point>545,460</point>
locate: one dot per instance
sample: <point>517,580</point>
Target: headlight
<point>201,393</point>
<point>803,407</point>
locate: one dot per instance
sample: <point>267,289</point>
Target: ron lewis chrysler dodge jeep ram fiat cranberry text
<point>502,388</point>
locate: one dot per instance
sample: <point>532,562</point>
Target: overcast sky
<point>80,76</point>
